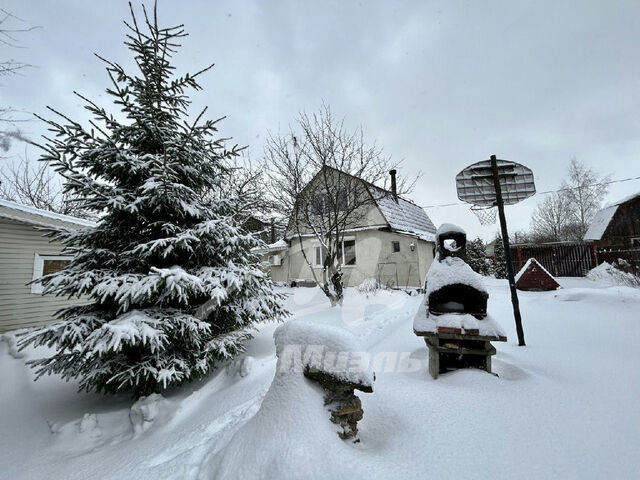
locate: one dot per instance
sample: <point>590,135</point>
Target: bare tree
<point>551,218</point>
<point>10,30</point>
<point>246,180</point>
<point>584,189</point>
<point>37,185</point>
<point>323,178</point>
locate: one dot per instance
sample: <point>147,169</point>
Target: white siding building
<point>393,242</point>
<point>26,255</point>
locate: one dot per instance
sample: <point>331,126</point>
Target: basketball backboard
<point>475,183</point>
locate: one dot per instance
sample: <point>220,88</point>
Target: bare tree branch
<point>36,185</point>
<point>325,179</point>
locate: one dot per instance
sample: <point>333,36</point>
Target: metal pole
<point>507,251</point>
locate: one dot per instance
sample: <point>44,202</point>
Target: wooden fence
<point>560,259</point>
<point>613,253</point>
<point>573,259</point>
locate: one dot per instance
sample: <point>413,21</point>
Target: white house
<point>393,242</point>
<point>26,255</point>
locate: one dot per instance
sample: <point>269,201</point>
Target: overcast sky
<point>440,84</point>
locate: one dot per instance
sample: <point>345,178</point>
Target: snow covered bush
<point>612,274</point>
<point>171,281</point>
<point>369,286</point>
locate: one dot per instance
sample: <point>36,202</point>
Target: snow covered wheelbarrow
<point>453,318</point>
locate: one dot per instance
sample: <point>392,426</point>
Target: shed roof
<point>39,217</point>
<point>604,216</point>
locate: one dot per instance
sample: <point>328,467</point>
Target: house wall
<point>19,308</point>
<point>374,258</point>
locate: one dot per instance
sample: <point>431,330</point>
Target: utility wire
<point>543,193</point>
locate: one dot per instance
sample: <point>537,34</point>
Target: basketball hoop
<point>486,214</point>
<point>495,183</point>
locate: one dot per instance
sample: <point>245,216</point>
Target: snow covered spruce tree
<point>172,283</point>
<point>499,259</point>
<point>477,257</point>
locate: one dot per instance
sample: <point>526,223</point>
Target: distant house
<point>393,241</point>
<point>260,227</point>
<point>26,255</point>
<point>617,225</point>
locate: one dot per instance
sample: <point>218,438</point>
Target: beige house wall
<point>374,258</point>
<point>19,308</point>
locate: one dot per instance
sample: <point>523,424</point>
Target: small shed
<point>534,277</point>
<point>26,255</point>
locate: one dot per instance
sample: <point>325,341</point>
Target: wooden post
<point>507,251</point>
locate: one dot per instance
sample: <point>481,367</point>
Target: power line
<point>545,192</point>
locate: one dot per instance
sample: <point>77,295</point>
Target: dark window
<point>349,252</point>
<point>53,266</point>
<point>396,246</point>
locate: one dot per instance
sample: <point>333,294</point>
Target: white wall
<point>374,258</point>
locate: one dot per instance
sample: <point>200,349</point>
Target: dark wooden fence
<point>613,253</point>
<point>560,259</point>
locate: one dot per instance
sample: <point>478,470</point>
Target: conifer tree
<point>500,260</point>
<point>477,257</point>
<point>172,283</point>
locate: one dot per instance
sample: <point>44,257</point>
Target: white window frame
<point>316,244</point>
<point>38,267</point>
<point>634,239</point>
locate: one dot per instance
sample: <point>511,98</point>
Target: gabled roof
<point>602,219</point>
<point>402,216</point>
<point>39,217</point>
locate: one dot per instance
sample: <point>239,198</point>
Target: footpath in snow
<point>564,407</point>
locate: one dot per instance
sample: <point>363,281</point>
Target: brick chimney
<point>394,190</point>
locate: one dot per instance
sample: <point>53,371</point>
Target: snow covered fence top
<point>303,345</point>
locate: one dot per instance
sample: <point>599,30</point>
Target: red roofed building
<point>534,277</point>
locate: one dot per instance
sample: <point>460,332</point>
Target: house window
<point>635,242</point>
<point>275,260</point>
<point>322,203</point>
<point>348,252</point>
<point>318,256</point>
<point>46,265</point>
<point>395,247</point>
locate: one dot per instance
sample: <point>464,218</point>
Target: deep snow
<point>565,406</point>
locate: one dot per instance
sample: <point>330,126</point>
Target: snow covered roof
<point>37,216</point>
<point>404,216</point>
<point>602,219</point>
<point>624,200</point>
<point>526,265</point>
<point>273,247</point>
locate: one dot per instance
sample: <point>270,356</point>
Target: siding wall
<point>20,308</point>
<point>374,258</point>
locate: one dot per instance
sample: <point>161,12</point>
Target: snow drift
<point>292,432</point>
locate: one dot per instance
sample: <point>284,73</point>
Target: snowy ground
<point>565,406</point>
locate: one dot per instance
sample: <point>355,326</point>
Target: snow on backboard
<point>475,183</point>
